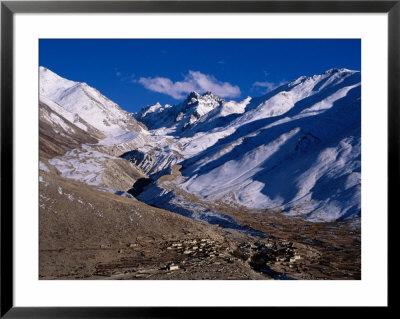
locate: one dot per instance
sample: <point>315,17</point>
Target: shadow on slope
<point>341,120</point>
<point>166,201</point>
<point>139,186</point>
<point>255,125</point>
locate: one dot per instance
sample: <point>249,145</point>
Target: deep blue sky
<point>128,71</point>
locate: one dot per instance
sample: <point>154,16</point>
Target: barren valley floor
<point>89,234</point>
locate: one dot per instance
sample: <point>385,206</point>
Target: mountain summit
<point>182,115</point>
<point>79,100</point>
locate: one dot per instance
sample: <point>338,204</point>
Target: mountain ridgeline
<point>295,150</point>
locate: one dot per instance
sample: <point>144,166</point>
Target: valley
<point>264,188</point>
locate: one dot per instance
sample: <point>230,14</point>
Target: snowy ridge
<point>181,116</point>
<point>298,148</point>
<point>79,99</point>
<point>95,129</point>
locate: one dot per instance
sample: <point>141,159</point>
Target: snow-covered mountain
<point>179,117</point>
<point>296,149</point>
<point>78,101</point>
<point>208,184</point>
<point>82,133</point>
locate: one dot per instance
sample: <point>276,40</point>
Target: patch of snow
<point>43,167</point>
<point>41,180</point>
<point>82,165</point>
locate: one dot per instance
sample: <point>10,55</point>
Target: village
<point>267,258</point>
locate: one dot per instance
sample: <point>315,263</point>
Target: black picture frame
<point>9,8</point>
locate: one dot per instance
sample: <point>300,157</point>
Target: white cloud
<point>193,81</point>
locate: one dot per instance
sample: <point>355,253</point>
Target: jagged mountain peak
<point>179,116</point>
<point>194,97</point>
<point>198,108</point>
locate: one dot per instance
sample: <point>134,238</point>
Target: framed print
<point>164,155</point>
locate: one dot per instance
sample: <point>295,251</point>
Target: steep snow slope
<point>74,118</point>
<point>80,100</point>
<point>57,134</point>
<point>82,134</point>
<point>297,148</point>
